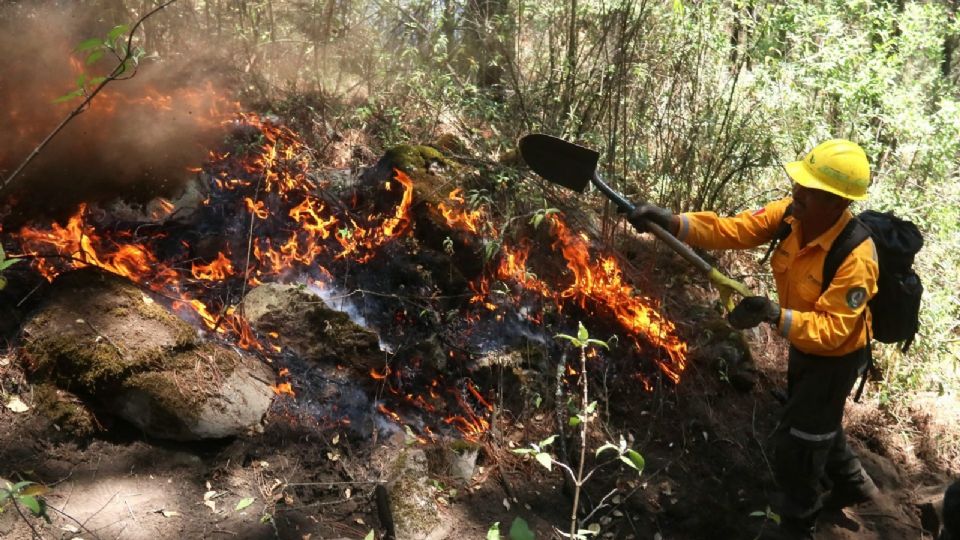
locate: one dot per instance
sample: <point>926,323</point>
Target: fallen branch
<point>120,68</point>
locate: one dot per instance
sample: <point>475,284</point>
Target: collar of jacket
<point>826,239</point>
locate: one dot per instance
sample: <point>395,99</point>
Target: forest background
<point>694,105</point>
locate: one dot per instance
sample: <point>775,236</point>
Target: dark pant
<point>810,449</point>
<point>951,513</point>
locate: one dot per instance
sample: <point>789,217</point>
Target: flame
<point>601,281</point>
<point>458,217</point>
<point>218,270</point>
<point>78,245</point>
<point>283,389</point>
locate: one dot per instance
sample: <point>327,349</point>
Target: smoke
<point>135,142</point>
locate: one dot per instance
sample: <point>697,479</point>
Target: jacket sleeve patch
<point>855,297</point>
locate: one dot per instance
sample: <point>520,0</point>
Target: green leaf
<point>591,407</point>
<point>244,502</point>
<point>96,81</point>
<point>20,485</point>
<point>81,78</point>
<point>67,97</point>
<point>31,503</point>
<point>369,535</point>
<point>606,447</point>
<point>574,421</point>
<point>4,264</point>
<point>758,514</point>
<point>494,532</point>
<point>522,451</point>
<point>89,44</point>
<point>519,530</point>
<point>571,339</point>
<point>94,56</point>
<point>598,342</point>
<point>3,285</point>
<point>633,459</point>
<point>582,333</point>
<point>548,441</point>
<point>544,459</point>
<point>116,31</point>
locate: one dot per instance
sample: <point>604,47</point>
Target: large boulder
<point>103,339</point>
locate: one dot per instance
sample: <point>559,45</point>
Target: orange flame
<point>602,282</point>
<point>457,216</point>
<point>218,270</point>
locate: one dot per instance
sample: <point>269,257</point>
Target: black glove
<point>752,311</point>
<point>645,213</point>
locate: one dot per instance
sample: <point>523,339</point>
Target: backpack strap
<point>783,231</point>
<point>869,366</point>
<point>852,235</point>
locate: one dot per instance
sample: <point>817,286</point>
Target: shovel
<point>573,166</point>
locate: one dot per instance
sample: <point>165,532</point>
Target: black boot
<point>851,494</point>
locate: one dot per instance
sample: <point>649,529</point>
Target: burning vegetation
<point>262,212</point>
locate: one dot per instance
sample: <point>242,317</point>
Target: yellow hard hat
<point>838,166</point>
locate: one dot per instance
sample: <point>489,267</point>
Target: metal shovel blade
<point>561,162</point>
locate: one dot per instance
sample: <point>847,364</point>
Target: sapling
<point>584,416</point>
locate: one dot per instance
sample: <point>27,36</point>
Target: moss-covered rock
<point>412,159</point>
<point>310,328</point>
<point>412,496</point>
<point>103,339</point>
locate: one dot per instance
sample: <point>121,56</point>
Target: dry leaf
<point>16,405</point>
<point>169,513</point>
<point>211,504</point>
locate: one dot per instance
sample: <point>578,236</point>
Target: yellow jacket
<point>828,324</point>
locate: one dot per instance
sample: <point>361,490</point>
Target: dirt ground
<point>707,472</point>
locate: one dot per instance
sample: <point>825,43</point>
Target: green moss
<point>76,364</point>
<point>170,401</point>
<point>409,493</point>
<point>414,158</point>
<point>69,415</point>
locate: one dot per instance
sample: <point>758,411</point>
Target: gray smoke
<point>136,140</point>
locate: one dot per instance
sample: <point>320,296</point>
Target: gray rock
<point>310,328</point>
<point>103,339</point>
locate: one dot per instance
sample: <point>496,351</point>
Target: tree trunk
<point>950,42</point>
<point>487,42</point>
<point>570,64</point>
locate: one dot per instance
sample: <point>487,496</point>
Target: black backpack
<point>896,306</point>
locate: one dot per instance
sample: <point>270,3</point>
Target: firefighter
<point>827,331</point>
